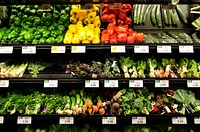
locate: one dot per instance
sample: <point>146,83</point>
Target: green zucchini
<point>175,36</point>
<point>169,16</point>
<point>165,17</point>
<point>153,15</point>
<point>153,38</point>
<point>135,13</point>
<point>159,22</point>
<point>195,38</point>
<point>181,14</point>
<point>169,39</point>
<point>175,18</point>
<point>146,13</point>
<point>181,37</point>
<point>147,39</point>
<point>142,13</point>
<point>138,14</point>
<point>188,38</point>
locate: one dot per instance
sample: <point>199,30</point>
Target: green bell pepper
<point>12,35</point>
<point>46,33</point>
<point>51,40</point>
<point>51,28</point>
<point>36,21</point>
<point>61,27</point>
<point>29,36</point>
<point>35,41</point>
<point>59,39</point>
<point>42,41</point>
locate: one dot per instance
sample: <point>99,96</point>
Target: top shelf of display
<point>34,2</point>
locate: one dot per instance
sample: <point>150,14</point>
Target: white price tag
<point>196,120</point>
<point>141,49</point>
<point>1,119</point>
<point>24,120</point>
<point>193,83</point>
<point>118,49</point>
<point>6,49</point>
<point>109,120</point>
<point>179,120</point>
<point>162,83</point>
<point>135,83</point>
<point>164,49</point>
<point>66,120</point>
<point>28,49</point>
<point>139,120</point>
<point>111,83</point>
<point>4,83</point>
<point>58,49</point>
<point>78,49</point>
<point>50,83</point>
<point>186,49</point>
<point>117,5</point>
<point>91,83</point>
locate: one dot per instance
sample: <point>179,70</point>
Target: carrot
<point>84,108</point>
<point>99,103</point>
<point>90,111</point>
<point>88,103</point>
<point>95,109</point>
<point>102,111</point>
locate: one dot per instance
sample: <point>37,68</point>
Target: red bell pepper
<point>122,29</point>
<point>130,39</point>
<point>128,21</point>
<point>105,11</point>
<point>104,32</point>
<point>120,22</point>
<point>111,18</point>
<point>111,28</point>
<point>122,37</point>
<point>139,37</point>
<point>122,15</point>
<point>105,38</point>
<point>104,6</point>
<point>113,38</point>
<point>104,18</point>
<point>127,7</point>
<point>131,32</point>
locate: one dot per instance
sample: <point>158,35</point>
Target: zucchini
<point>135,13</point>
<point>169,16</point>
<point>159,22</point>
<point>195,38</point>
<point>142,13</point>
<point>138,14</point>
<point>181,37</point>
<point>175,36</point>
<point>169,39</point>
<point>181,14</point>
<point>147,39</point>
<point>175,18</point>
<point>146,13</point>
<point>188,38</point>
<point>153,15</point>
<point>165,17</point>
<point>153,38</point>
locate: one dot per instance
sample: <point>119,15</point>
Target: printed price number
<point>111,83</point>
<point>179,120</point>
<point>91,83</point>
<point>161,83</point>
<point>196,120</point>
<point>58,49</point>
<point>4,83</point>
<point>1,119</point>
<point>117,5</point>
<point>24,120</point>
<point>141,49</point>
<point>186,49</point>
<point>66,120</point>
<point>78,49</point>
<point>109,120</point>
<point>28,49</point>
<point>6,49</point>
<point>139,120</point>
<point>136,83</point>
<point>50,83</point>
<point>118,49</point>
<point>44,7</point>
<point>193,83</point>
<point>164,49</point>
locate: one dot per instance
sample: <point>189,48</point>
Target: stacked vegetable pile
<point>118,30</point>
<point>4,15</point>
<point>29,25</point>
<point>85,27</point>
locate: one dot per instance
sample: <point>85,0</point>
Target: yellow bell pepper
<point>75,40</point>
<point>79,22</point>
<point>72,28</point>
<point>96,40</point>
<point>75,7</point>
<point>92,15</point>
<point>73,20</point>
<point>86,41</point>
<point>97,23</point>
<point>87,21</point>
<point>90,34</point>
<point>97,31</point>
<point>79,27</point>
<point>69,34</point>
<point>96,9</point>
<point>97,5</point>
<point>67,40</point>
<point>74,13</point>
<point>97,18</point>
<point>91,26</point>
<point>82,34</point>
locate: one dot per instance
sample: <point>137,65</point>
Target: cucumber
<point>153,15</point>
<point>154,39</point>
<point>175,36</point>
<point>147,39</point>
<point>169,16</point>
<point>138,14</point>
<point>135,13</point>
<point>142,13</point>
<point>159,22</point>
<point>181,37</point>
<point>195,38</point>
<point>188,38</point>
<point>175,19</point>
<point>169,39</point>
<point>146,13</point>
<point>181,14</point>
<point>165,17</point>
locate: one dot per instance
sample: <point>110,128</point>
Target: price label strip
<point>50,83</point>
<point>193,83</point>
<point>186,49</point>
<point>135,83</point>
<point>118,49</point>
<point>87,6</point>
<point>109,120</point>
<point>4,83</point>
<point>162,83</point>
<point>28,49</point>
<point>196,120</point>
<point>1,119</point>
<point>164,49</point>
<point>24,120</point>
<point>179,120</point>
<point>78,49</point>
<point>44,7</point>
<point>141,49</point>
<point>92,83</point>
<point>111,84</point>
<point>117,5</point>
<point>58,49</point>
<point>6,49</point>
<point>139,120</point>
<point>66,120</point>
